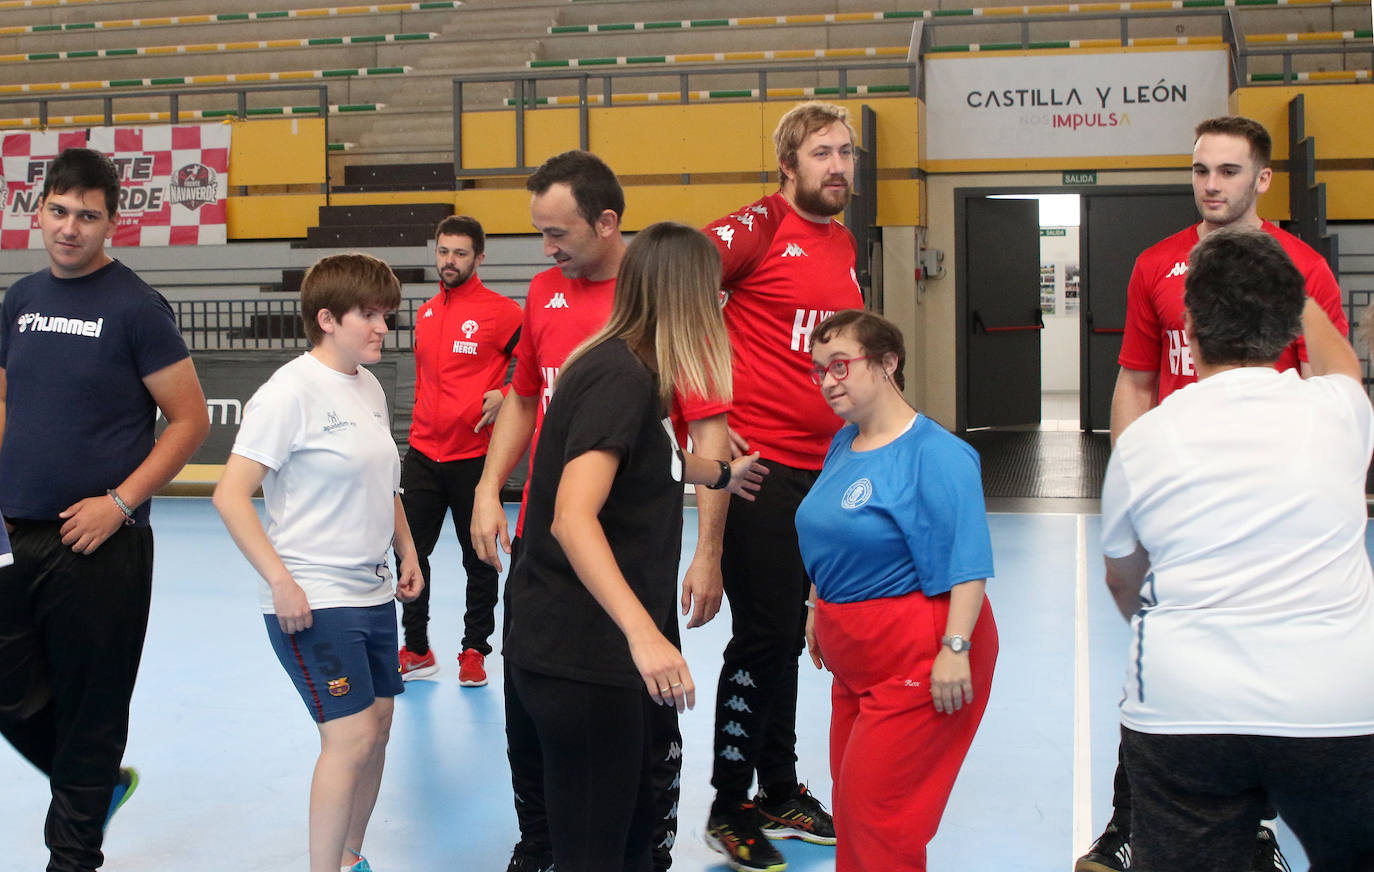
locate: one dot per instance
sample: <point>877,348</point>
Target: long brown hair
<point>667,309</point>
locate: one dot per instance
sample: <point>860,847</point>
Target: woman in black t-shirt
<point>592,594</point>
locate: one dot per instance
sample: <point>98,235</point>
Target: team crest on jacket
<point>857,494</point>
<point>339,686</point>
<point>469,328</point>
<point>193,186</point>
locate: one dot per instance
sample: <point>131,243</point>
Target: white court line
<point>1082,735</point>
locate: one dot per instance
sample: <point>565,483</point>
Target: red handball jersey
<point>464,338</point>
<point>559,314</point>
<point>783,275</point>
<point>1154,307</point>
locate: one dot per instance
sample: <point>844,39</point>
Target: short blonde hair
<point>342,283</point>
<point>800,122</point>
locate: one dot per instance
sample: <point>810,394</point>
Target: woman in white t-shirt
<point>317,438</point>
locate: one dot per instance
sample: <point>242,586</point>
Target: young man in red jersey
<point>788,264</point>
<point>576,205</point>
<point>1230,170</point>
<point>464,338</point>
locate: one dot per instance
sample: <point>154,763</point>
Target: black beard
<point>813,201</point>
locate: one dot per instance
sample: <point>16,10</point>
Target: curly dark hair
<point>1245,298</point>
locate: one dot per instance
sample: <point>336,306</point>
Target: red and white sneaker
<point>417,665</point>
<point>471,671</point>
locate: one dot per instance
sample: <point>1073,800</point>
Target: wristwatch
<point>957,644</point>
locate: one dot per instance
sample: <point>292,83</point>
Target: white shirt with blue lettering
<point>333,474</point>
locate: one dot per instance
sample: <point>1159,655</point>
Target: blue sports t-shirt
<point>904,517</point>
<point>78,417</point>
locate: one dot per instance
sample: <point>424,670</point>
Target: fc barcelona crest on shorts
<point>339,686</point>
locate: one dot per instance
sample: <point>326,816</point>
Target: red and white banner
<point>174,181</point>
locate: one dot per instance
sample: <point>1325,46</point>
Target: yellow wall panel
<point>1349,196</point>
<point>279,151</point>
<point>901,202</point>
<point>643,140</point>
<point>1339,117</point>
<point>695,205</point>
<point>549,132</point>
<point>489,139</point>
<point>273,216</point>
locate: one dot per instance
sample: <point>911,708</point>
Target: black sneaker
<point>1110,853</point>
<point>1268,857</point>
<point>799,816</point>
<point>522,859</point>
<point>737,836</point>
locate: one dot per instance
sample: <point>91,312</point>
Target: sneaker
<point>1110,853</point>
<point>739,838</point>
<point>1268,857</point>
<point>417,665</point>
<point>799,816</point>
<point>470,670</point>
<point>524,860</point>
<point>124,788</point>
<point>360,866</point>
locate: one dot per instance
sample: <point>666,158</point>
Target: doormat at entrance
<point>1041,463</point>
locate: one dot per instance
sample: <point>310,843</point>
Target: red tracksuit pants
<point>893,757</point>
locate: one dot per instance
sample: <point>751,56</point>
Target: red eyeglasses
<point>838,368</point>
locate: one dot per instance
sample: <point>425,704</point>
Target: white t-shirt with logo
<point>333,475</point>
<point>1247,491</point>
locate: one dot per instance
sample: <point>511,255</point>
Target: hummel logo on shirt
<point>793,250</point>
<point>1180,268</point>
<point>558,302</point>
<point>57,324</point>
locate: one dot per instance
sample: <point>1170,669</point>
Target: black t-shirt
<point>606,401</point>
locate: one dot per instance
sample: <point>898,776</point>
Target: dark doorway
<point>1117,225</point>
<point>998,252</point>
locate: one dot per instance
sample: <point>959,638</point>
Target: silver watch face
<point>957,644</point>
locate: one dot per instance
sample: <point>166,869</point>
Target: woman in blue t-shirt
<point>895,538</point>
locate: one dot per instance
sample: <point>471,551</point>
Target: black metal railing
<point>270,325</point>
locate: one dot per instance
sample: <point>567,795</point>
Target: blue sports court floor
<point>226,748</point>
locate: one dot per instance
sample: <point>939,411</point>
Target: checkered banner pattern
<point>174,181</point>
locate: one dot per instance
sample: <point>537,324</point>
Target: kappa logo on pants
<point>738,705</point>
<point>731,753</point>
<point>734,729</point>
<point>743,679</point>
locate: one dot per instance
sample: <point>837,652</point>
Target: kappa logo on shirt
<point>558,302</point>
<point>793,250</point>
<point>726,234</point>
<point>428,312</point>
<point>745,218</point>
<point>1180,268</point>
